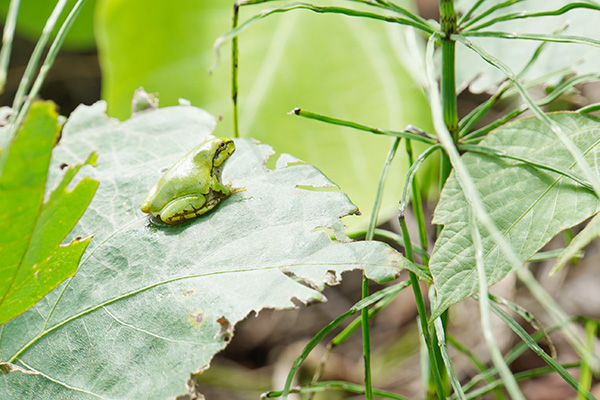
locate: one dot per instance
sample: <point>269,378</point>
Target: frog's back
<point>183,178</point>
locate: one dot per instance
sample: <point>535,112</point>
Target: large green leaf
<point>150,304</point>
<point>31,261</point>
<point>516,53</point>
<point>34,13</point>
<point>528,205</point>
<point>348,68</point>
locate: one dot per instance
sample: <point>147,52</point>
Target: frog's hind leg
<point>184,208</point>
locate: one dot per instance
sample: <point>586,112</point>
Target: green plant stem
<point>433,363</point>
<point>7,40</point>
<point>365,281</point>
<point>417,205</point>
<point>409,133</point>
<point>448,83</point>
<point>234,70</point>
<point>448,19</point>
<point>366,341</point>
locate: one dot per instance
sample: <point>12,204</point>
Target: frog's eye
<point>222,145</point>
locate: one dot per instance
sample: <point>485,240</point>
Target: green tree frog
<point>192,186</point>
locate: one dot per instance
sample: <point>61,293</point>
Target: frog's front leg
<point>219,187</point>
<point>184,208</point>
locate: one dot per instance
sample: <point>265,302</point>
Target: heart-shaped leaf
<point>150,304</point>
<point>528,205</point>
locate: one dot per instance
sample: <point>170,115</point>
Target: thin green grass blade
<point>550,254</point>
<point>396,238</point>
<point>335,385</point>
<point>412,171</point>
<point>409,133</point>
<point>499,395</point>
<point>486,323</point>
<point>583,238</point>
<point>395,8</point>
<point>7,40</point>
<point>531,343</point>
<point>572,39</point>
<point>364,303</point>
<point>317,9</point>
<point>380,188</point>
<point>489,11</point>
<point>585,373</point>
<point>532,373</point>
<point>439,329</point>
<point>468,121</point>
<point>22,109</point>
<point>523,15</point>
<point>559,316</point>
<point>470,12</point>
<point>475,136</point>
<point>589,108</point>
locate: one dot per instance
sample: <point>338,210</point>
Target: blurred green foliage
<point>34,13</point>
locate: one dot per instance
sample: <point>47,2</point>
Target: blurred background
<point>350,69</point>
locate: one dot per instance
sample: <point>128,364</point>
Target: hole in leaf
<point>319,188</point>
